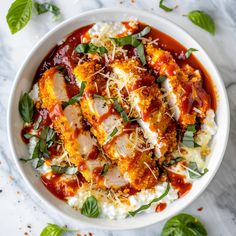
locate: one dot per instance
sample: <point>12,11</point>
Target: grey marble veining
<point>19,208</point>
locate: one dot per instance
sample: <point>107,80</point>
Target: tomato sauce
<point>160,207</point>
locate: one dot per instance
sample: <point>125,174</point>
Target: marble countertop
<point>21,213</point>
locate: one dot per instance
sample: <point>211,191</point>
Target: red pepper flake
<point>200,209</point>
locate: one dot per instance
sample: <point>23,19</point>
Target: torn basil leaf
<point>173,161</point>
<point>76,97</point>
<point>114,131</point>
<point>165,8</point>
<point>55,230</point>
<point>189,52</point>
<point>45,7</point>
<point>26,108</point>
<point>104,169</point>
<point>90,207</point>
<point>161,79</point>
<point>144,207</point>
<point>188,139</point>
<point>90,48</point>
<point>120,109</point>
<point>37,123</point>
<point>59,169</point>
<point>194,172</point>
<point>29,136</point>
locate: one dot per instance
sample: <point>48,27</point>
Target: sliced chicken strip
<point>119,146</point>
<point>184,91</point>
<point>146,99</point>
<point>78,142</point>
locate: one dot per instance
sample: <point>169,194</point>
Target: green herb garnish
<point>90,207</point>
<point>188,139</point>
<point>165,8</point>
<point>37,123</point>
<point>29,136</point>
<point>55,230</point>
<point>19,14</point>
<point>76,97</point>
<point>104,169</point>
<point>59,169</point>
<point>90,48</point>
<point>189,52</point>
<point>26,108</point>
<point>161,79</point>
<point>120,109</point>
<point>194,172</point>
<point>173,161</point>
<point>134,41</point>
<point>114,131</point>
<point>183,225</point>
<point>144,207</point>
<point>42,8</point>
<point>202,20</point>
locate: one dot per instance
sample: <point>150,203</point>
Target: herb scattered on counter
<point>134,41</point>
<point>188,139</point>
<point>194,172</point>
<point>104,169</point>
<point>120,109</point>
<point>26,108</point>
<point>165,8</point>
<point>45,7</point>
<point>20,13</point>
<point>90,48</point>
<point>202,20</point>
<point>173,161</point>
<point>161,79</point>
<point>183,224</point>
<point>189,52</point>
<point>55,230</point>
<point>90,207</point>
<point>76,97</point>
<point>144,207</point>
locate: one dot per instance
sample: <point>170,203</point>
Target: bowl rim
<point>17,78</point>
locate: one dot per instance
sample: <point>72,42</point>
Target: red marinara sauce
<point>160,207</point>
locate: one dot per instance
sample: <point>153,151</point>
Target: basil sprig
<point>104,169</point>
<point>202,20</point>
<point>194,172</point>
<point>188,139</point>
<point>76,97</point>
<point>90,48</point>
<point>42,8</point>
<point>55,230</point>
<point>26,108</point>
<point>183,224</point>
<point>189,52</point>
<point>144,207</point>
<point>90,207</point>
<point>165,8</point>
<point>134,41</point>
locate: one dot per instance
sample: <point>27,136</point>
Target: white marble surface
<point>19,208</point>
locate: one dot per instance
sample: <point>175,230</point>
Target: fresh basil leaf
<point>90,48</point>
<point>189,52</point>
<point>123,114</point>
<point>194,172</point>
<point>40,162</point>
<point>188,139</point>
<point>26,108</point>
<point>104,169</point>
<point>165,8</point>
<point>173,161</point>
<point>202,20</point>
<point>42,8</point>
<point>183,225</point>
<point>59,169</point>
<point>114,131</point>
<point>90,207</point>
<point>37,123</point>
<point>29,136</point>
<point>161,79</point>
<point>196,144</point>
<point>141,54</point>
<point>142,33</point>
<point>19,14</point>
<point>76,97</point>
<point>144,207</point>
<point>55,230</point>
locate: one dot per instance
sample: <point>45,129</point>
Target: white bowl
<point>23,82</point>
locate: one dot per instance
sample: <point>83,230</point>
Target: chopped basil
<point>188,139</point>
<point>42,8</point>
<point>104,169</point>
<point>90,48</point>
<point>165,8</point>
<point>183,224</point>
<point>28,136</point>
<point>119,108</point>
<point>55,230</point>
<point>161,79</point>
<point>114,131</point>
<point>59,169</point>
<point>102,97</point>
<point>133,41</point>
<point>189,52</point>
<point>39,163</point>
<point>76,97</point>
<point>26,108</point>
<point>90,207</point>
<point>202,20</point>
<point>173,161</point>
<point>144,207</point>
<point>19,14</point>
<point>37,123</point>
<point>194,172</point>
